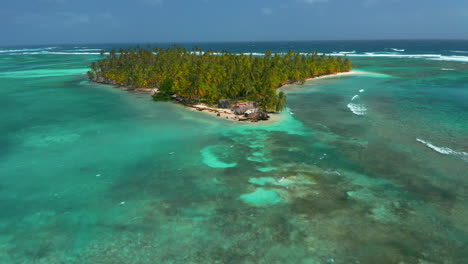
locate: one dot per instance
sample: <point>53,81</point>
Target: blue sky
<point>108,21</point>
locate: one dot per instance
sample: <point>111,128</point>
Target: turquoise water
<point>94,174</point>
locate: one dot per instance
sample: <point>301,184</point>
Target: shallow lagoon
<point>92,174</point>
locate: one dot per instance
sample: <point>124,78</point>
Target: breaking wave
<point>404,56</point>
<point>357,109</point>
<point>369,54</point>
<point>71,53</point>
<point>84,50</point>
<point>51,50</point>
<point>2,51</point>
<point>395,53</point>
<point>55,53</point>
<point>451,58</point>
<point>444,150</point>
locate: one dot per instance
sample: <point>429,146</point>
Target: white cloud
<point>266,11</point>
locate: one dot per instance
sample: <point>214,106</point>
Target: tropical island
<point>242,85</point>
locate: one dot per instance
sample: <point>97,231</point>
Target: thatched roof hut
<point>224,103</point>
<point>241,108</point>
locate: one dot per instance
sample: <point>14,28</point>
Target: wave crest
<point>438,57</point>
<point>2,51</point>
<point>357,109</point>
<point>444,150</point>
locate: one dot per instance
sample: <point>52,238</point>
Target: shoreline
<point>227,114</point>
<point>326,76</point>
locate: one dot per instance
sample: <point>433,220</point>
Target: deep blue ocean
<point>364,168</point>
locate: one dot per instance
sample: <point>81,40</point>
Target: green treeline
<point>197,76</point>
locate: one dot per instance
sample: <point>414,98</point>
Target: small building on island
<point>241,108</point>
<point>224,103</point>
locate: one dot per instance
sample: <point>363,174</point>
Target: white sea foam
<point>257,54</point>
<point>439,57</point>
<point>92,51</point>
<point>84,50</point>
<point>362,90</point>
<point>347,52</point>
<point>447,69</point>
<point>354,97</point>
<point>220,53</point>
<point>73,53</point>
<point>25,50</point>
<point>451,58</point>
<point>377,54</point>
<point>55,53</point>
<point>357,109</point>
<point>444,150</point>
<point>385,54</point>
<point>397,49</point>
<point>459,51</point>
<point>10,50</point>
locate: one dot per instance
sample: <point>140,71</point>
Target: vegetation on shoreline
<point>196,76</point>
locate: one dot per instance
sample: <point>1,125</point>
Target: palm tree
<point>208,77</point>
<point>281,102</point>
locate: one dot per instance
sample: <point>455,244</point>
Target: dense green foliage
<point>197,76</point>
